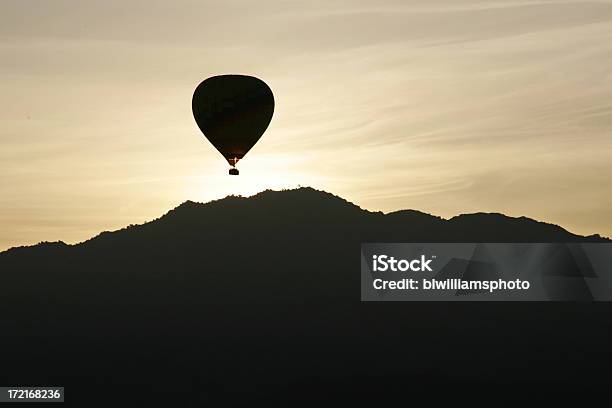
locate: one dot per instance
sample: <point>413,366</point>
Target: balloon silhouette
<point>233,111</point>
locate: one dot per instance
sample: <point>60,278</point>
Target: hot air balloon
<point>233,111</point>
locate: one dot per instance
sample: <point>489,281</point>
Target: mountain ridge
<point>318,199</point>
<point>259,297</point>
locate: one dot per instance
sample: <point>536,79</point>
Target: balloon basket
<point>234,172</point>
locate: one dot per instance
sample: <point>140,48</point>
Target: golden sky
<point>447,107</point>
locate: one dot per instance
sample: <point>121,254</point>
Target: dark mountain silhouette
<point>258,298</point>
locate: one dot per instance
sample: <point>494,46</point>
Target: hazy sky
<point>447,106</point>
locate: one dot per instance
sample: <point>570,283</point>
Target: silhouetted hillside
<point>259,298</point>
<point>307,209</point>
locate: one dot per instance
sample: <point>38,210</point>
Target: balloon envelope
<point>233,111</point>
